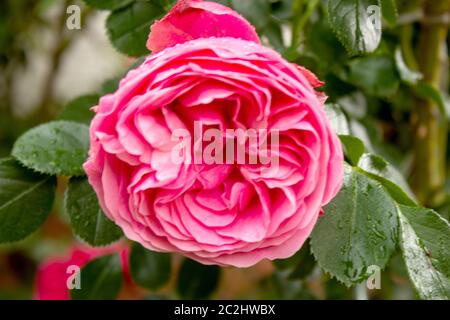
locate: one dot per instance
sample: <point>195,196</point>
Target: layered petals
<point>234,213</point>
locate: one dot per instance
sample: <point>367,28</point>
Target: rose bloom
<point>53,273</point>
<point>208,66</point>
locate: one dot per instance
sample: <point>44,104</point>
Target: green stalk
<point>300,20</point>
<point>428,123</point>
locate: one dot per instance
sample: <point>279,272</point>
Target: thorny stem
<point>428,123</point>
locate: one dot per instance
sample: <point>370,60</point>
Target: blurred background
<point>44,67</point>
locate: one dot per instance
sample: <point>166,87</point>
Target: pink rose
<point>216,213</point>
<point>52,274</point>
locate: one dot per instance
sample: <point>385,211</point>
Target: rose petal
<point>193,19</point>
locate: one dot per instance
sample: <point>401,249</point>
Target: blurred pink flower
<point>52,274</point>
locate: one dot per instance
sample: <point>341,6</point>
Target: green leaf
<point>376,75</point>
<point>444,209</point>
<point>358,229</point>
<point>355,106</point>
<point>406,74</point>
<point>281,287</point>
<point>149,269</point>
<point>197,281</point>
<point>379,169</point>
<point>335,290</point>
<point>128,28</point>
<point>389,11</point>
<point>256,11</point>
<point>79,110</point>
<point>111,85</point>
<point>300,265</point>
<point>55,148</point>
<point>101,279</point>
<point>87,219</point>
<point>165,4</point>
<point>337,119</point>
<point>353,26</point>
<point>322,44</point>
<point>108,4</point>
<point>425,243</point>
<point>26,199</point>
<point>274,34</point>
<point>353,148</point>
<point>426,91</point>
